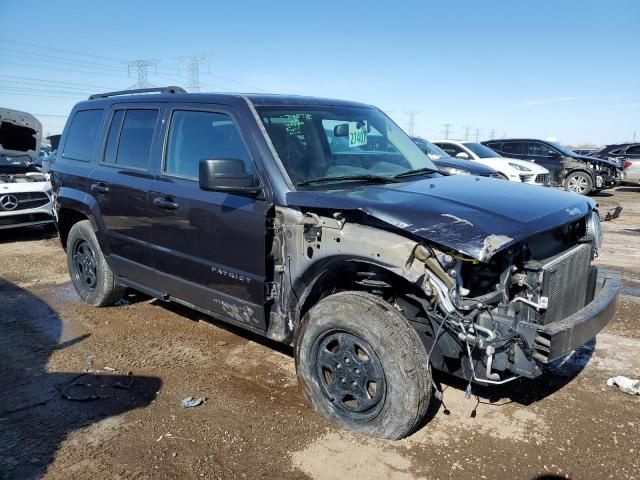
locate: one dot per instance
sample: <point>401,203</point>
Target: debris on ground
<point>625,384</point>
<point>193,401</point>
<point>172,436</point>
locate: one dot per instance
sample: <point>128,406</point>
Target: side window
<point>497,146</point>
<point>450,149</point>
<point>514,148</point>
<point>539,149</point>
<point>196,136</point>
<point>136,136</point>
<point>634,150</point>
<point>82,135</point>
<point>112,137</point>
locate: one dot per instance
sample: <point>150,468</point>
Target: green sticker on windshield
<point>357,133</point>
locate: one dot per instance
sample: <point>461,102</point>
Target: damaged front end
<point>493,317</point>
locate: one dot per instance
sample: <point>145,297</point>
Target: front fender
<point>71,199</point>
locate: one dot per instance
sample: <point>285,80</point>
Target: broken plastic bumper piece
<point>561,337</point>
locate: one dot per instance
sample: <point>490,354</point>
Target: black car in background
<point>575,173</point>
<point>450,165</point>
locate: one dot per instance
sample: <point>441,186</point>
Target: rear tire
<point>361,365</point>
<point>579,182</point>
<point>92,278</point>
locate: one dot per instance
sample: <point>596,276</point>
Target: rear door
<point>538,152</point>
<point>120,184</point>
<point>209,247</point>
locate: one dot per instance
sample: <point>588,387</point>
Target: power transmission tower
<point>142,66</point>
<point>477,134</point>
<point>466,132</point>
<point>493,133</point>
<point>634,136</point>
<point>447,129</point>
<point>411,123</point>
<point>193,65</point>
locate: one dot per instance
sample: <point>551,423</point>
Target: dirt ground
<point>58,421</point>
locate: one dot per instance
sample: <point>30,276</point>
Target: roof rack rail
<point>171,89</point>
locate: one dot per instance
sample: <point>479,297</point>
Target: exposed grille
<point>28,218</point>
<point>565,281</point>
<point>543,178</point>
<point>491,175</point>
<point>27,200</point>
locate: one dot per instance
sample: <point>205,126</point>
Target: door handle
<point>166,203</point>
<point>99,187</point>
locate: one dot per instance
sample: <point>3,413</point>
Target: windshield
<point>322,142</point>
<point>564,150</point>
<point>480,150</point>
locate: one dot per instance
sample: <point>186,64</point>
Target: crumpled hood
<point>473,215</point>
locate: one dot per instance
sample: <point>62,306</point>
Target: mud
<point>255,423</point>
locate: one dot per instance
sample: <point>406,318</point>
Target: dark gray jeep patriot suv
<point>320,224</point>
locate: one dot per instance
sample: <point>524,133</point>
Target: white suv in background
<point>509,168</point>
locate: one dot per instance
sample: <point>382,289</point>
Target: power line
<point>48,67</point>
<point>49,82</point>
<point>60,50</point>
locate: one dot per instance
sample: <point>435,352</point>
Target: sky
<point>563,69</point>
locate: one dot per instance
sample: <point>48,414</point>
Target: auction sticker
<point>357,133</point>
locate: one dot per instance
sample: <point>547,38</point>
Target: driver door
<point>209,247</point>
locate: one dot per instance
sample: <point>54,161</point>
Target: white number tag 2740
<point>357,136</point>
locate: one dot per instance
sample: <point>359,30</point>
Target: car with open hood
<point>25,192</point>
<point>320,224</point>
<point>575,173</point>
<point>509,168</point>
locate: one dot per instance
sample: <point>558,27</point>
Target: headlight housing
<point>453,171</point>
<point>520,167</point>
<point>594,229</point>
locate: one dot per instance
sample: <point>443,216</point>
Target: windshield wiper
<point>417,171</point>
<point>364,178</point>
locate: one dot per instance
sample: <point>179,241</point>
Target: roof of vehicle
<point>176,94</point>
<point>515,140</point>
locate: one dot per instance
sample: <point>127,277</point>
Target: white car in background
<point>509,168</point>
<point>25,192</point>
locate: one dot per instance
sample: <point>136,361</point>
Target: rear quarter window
<point>82,135</point>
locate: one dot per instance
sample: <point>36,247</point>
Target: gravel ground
<point>123,418</point>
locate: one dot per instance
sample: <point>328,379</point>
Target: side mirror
<point>553,154</point>
<point>227,175</point>
<point>463,156</point>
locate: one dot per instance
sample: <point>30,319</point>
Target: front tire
<point>92,278</point>
<point>579,182</point>
<point>361,365</point>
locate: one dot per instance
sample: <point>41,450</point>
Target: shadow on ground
<point>39,408</point>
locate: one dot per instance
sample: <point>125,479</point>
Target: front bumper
<point>27,218</point>
<point>559,338</point>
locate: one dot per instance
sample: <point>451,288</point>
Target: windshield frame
<point>405,147</point>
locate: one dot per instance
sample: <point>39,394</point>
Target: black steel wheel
<point>350,374</point>
<point>90,274</point>
<point>84,265</point>
<point>362,365</point>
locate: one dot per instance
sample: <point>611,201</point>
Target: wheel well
<point>357,276</point>
<point>67,218</point>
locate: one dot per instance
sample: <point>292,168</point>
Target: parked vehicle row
<point>508,168</point>
<point>319,223</point>
<point>25,192</point>
<point>576,173</point>
<point>627,155</point>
